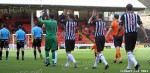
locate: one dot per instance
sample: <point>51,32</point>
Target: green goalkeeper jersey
<point>51,26</point>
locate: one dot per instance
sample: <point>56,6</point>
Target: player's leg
<point>119,47</point>
<point>48,44</point>
<point>130,40</point>
<point>129,64</point>
<point>100,41</point>
<point>70,44</point>
<point>101,56</point>
<point>18,49</point>
<point>115,44</point>
<point>55,61</point>
<point>47,61</point>
<point>34,47</point>
<point>53,57</point>
<point>56,55</point>
<point>22,49</point>
<point>1,49</point>
<point>39,41</point>
<point>97,40</point>
<point>118,54</point>
<point>6,46</point>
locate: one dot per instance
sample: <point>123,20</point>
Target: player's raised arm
<point>93,15</point>
<point>62,17</point>
<point>42,21</point>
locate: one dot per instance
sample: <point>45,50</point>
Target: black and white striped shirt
<point>70,29</point>
<point>99,27</point>
<point>130,21</point>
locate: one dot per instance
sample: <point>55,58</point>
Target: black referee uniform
<point>130,21</point>
<point>70,31</point>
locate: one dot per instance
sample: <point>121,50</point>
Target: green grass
<point>85,58</point>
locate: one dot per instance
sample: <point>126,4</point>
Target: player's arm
<point>42,21</point>
<point>15,37</point>
<point>120,24</point>
<point>41,33</point>
<point>110,30</point>
<point>61,18</point>
<point>142,28</point>
<point>91,18</point>
<point>9,37</point>
<point>32,36</point>
<point>0,34</point>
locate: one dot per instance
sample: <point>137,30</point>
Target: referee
<point>130,20</point>
<point>99,37</point>
<point>70,30</point>
<point>37,33</point>
<point>5,37</point>
<point>20,40</point>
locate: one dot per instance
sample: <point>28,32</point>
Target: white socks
<point>131,57</point>
<point>96,61</point>
<point>129,64</point>
<point>55,61</point>
<point>103,59</point>
<point>71,58</point>
<point>98,57</point>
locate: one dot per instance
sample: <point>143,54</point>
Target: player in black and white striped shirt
<point>130,20</point>
<point>99,37</point>
<point>70,30</point>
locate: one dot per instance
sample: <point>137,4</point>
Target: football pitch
<point>84,57</point>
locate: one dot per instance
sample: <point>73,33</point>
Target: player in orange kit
<point>117,39</point>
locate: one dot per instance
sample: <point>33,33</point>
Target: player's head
<point>70,16</point>
<point>36,24</point>
<point>116,16</point>
<point>129,7</point>
<point>99,15</point>
<point>3,25</point>
<point>51,16</point>
<point>19,27</point>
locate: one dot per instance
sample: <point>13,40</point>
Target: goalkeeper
<point>51,40</point>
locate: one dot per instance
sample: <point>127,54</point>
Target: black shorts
<point>4,43</point>
<point>100,42</point>
<point>37,42</point>
<point>70,45</point>
<point>118,41</point>
<point>130,41</point>
<point>20,44</point>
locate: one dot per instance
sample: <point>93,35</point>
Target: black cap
<point>129,7</point>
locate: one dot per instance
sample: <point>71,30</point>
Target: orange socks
<point>118,54</point>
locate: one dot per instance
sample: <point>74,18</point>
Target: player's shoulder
<point>113,23</point>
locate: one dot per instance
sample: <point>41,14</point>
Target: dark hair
<point>100,15</point>
<point>116,16</point>
<point>71,16</point>
<point>3,25</point>
<point>51,15</point>
<point>36,24</point>
<point>129,7</point>
<point>19,27</point>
